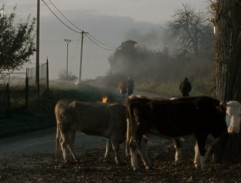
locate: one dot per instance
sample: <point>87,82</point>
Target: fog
<point>109,22</point>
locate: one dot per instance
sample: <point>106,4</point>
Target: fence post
<point>47,73</point>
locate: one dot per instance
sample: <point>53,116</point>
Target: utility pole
<point>37,47</point>
<point>67,59</point>
<point>83,33</point>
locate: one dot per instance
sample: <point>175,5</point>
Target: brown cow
<point>98,119</point>
<point>202,117</point>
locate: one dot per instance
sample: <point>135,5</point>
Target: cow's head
<point>233,112</point>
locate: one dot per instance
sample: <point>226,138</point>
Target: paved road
<point>44,141</point>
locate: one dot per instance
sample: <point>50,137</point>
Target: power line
<point>99,45</point>
<point>65,16</point>
<point>101,42</point>
<point>93,39</point>
<point>59,18</point>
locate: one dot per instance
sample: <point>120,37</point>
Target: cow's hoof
<point>134,169</point>
<point>197,166</point>
<point>148,167</point>
<point>178,162</point>
<point>117,162</point>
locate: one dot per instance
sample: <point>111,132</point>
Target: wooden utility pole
<point>67,57</point>
<point>37,47</point>
<point>83,33</point>
<point>47,73</point>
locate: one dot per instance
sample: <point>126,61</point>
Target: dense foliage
<point>16,41</point>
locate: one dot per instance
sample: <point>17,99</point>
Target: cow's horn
<point>223,104</point>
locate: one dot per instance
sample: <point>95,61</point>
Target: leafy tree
<point>16,41</point>
<point>192,31</point>
<point>124,57</point>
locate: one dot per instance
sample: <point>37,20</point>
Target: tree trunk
<point>227,74</point>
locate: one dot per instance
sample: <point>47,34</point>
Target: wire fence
<point>17,89</point>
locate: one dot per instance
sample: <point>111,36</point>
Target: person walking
<point>185,87</point>
<point>123,88</point>
<point>130,86</point>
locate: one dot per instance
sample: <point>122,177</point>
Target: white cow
<point>233,116</point>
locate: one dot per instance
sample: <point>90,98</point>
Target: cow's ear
<point>222,107</point>
<point>223,104</point>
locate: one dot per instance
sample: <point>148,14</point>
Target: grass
<point>172,89</point>
<point>40,112</point>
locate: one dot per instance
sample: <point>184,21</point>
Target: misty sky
<point>109,21</point>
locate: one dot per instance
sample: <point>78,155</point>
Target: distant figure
<point>130,85</point>
<point>123,88</point>
<point>185,87</point>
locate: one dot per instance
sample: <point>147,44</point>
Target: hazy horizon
<point>109,21</point>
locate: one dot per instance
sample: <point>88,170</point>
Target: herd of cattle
<point>206,118</point>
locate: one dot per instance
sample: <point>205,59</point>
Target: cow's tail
<point>59,107</point>
<point>57,142</point>
<point>127,133</point>
<point>129,129</point>
<point>57,138</point>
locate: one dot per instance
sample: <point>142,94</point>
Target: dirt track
<point>41,167</point>
<point>30,158</point>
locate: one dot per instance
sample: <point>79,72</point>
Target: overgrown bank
<point>40,113</point>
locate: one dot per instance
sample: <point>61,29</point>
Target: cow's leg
<point>115,146</point>
<point>177,147</point>
<point>107,148</point>
<point>133,152</point>
<point>143,153</point>
<point>127,149</point>
<point>197,156</point>
<point>63,145</point>
<point>71,144</point>
<point>201,141</point>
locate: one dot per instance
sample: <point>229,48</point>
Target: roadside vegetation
<point>40,112</point>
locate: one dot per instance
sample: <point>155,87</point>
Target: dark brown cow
<point>106,120</point>
<point>202,117</point>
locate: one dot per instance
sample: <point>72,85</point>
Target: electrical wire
<point>97,44</point>
<point>65,16</point>
<point>59,18</point>
<point>110,47</point>
<point>89,36</point>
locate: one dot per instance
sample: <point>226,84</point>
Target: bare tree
<point>191,30</point>
<point>227,24</point>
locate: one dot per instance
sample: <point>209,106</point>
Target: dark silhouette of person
<point>185,87</point>
<point>130,85</point>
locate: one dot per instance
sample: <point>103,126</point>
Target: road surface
<point>44,141</point>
